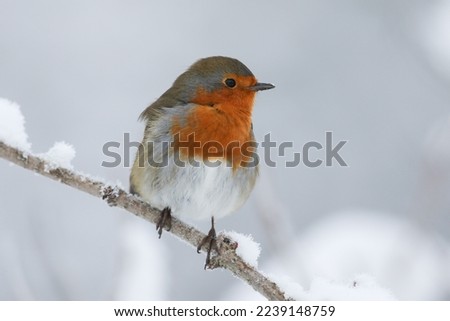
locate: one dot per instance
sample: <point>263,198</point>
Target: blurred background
<point>375,73</point>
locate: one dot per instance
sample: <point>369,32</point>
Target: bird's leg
<point>211,240</point>
<point>164,220</point>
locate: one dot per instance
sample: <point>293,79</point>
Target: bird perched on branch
<point>198,155</point>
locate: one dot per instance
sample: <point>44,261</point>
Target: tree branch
<point>228,259</point>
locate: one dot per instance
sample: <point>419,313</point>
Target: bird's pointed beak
<point>261,86</point>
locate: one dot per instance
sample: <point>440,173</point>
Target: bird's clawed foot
<point>211,240</point>
<point>165,220</point>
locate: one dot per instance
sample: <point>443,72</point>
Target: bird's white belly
<point>199,192</point>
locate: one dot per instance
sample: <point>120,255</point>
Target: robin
<point>198,156</point>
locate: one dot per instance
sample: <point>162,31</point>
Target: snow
<point>360,287</point>
<point>12,132</point>
<point>399,255</point>
<point>60,154</point>
<point>289,286</point>
<point>247,248</point>
<point>12,126</point>
<point>360,255</point>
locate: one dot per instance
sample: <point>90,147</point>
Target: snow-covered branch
<point>14,148</point>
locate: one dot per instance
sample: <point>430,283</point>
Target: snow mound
<point>60,155</point>
<point>247,248</point>
<point>12,126</point>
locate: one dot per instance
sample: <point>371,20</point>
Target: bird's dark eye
<point>230,82</point>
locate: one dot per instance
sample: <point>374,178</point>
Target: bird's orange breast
<point>213,131</point>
